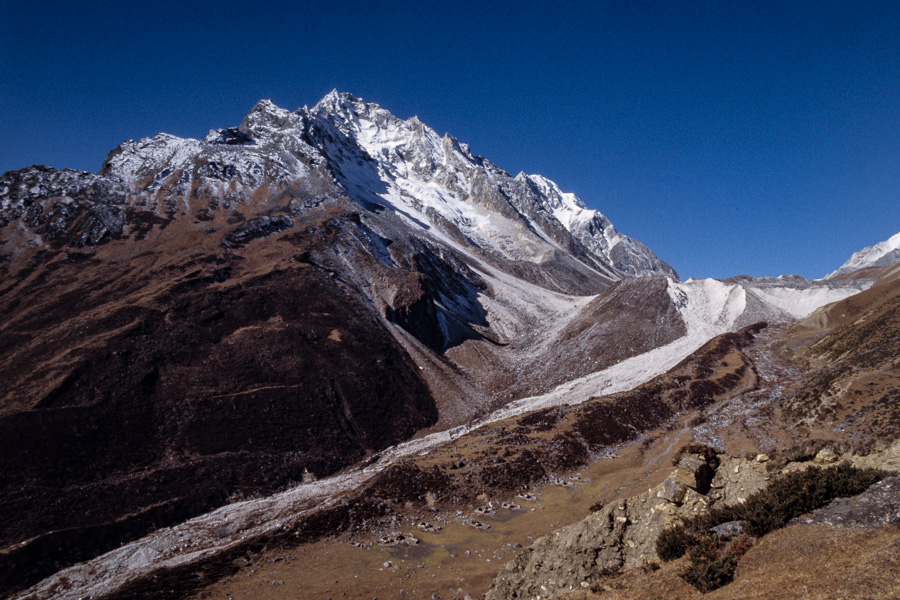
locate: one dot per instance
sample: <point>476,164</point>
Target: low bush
<point>711,566</point>
<point>796,494</point>
<point>672,543</point>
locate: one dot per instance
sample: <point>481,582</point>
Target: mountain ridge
<point>402,150</point>
<point>882,254</point>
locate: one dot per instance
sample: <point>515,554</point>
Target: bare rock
<point>398,539</point>
<point>622,535</point>
<point>826,456</point>
<point>877,507</point>
<point>672,490</point>
<point>729,530</point>
<point>695,472</point>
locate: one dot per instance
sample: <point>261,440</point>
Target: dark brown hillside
<point>150,380</point>
<point>495,461</point>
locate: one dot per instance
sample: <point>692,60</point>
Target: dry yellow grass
<point>439,565</point>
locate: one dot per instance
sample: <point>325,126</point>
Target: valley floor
<point>459,560</point>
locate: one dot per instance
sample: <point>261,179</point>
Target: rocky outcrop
<point>622,535</point>
<point>877,507</point>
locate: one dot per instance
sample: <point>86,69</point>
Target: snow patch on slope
<point>799,303</point>
<point>709,308</point>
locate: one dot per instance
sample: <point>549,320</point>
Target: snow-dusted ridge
<point>596,232</point>
<point>881,254</point>
<point>434,181</point>
<point>434,178</point>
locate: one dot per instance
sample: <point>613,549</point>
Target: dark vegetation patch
<point>518,472</point>
<point>257,228</point>
<point>542,420</point>
<point>408,482</point>
<point>142,222</point>
<point>712,562</point>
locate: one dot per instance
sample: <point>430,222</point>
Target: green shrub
<point>672,543</point>
<point>707,576</point>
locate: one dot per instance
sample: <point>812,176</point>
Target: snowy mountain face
<point>441,242</point>
<point>433,183</point>
<point>595,231</point>
<point>880,255</point>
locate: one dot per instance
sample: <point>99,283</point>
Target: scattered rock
<point>398,539</point>
<point>729,530</point>
<point>826,456</point>
<point>672,491</point>
<point>695,472</point>
<point>877,507</point>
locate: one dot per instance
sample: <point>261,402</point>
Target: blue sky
<point>731,137</point>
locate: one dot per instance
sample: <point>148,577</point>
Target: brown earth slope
<point>859,342</point>
<point>852,352</point>
<point>142,390</point>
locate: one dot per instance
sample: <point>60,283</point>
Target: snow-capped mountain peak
<point>437,177</point>
<point>265,118</point>
<point>880,255</point>
<point>432,182</point>
<point>596,232</point>
<point>567,208</point>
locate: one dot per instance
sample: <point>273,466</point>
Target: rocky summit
<point>328,321</point>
